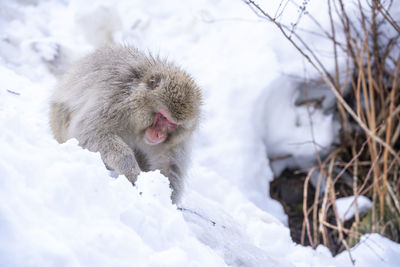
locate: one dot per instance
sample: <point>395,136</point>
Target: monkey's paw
<point>129,167</point>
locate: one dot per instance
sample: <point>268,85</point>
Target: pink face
<point>162,126</point>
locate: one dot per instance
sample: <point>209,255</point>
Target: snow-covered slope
<point>59,207</point>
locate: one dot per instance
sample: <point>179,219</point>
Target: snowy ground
<point>59,207</point>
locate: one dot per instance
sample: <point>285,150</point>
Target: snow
<point>371,247</point>
<point>300,141</point>
<point>59,206</point>
<point>346,206</point>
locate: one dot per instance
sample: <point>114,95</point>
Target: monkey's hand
<point>118,156</point>
<point>129,167</point>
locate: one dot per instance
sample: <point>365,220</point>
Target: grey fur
<point>109,98</point>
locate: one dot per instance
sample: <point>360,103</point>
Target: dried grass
<point>368,107</point>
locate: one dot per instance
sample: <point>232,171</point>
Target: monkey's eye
<point>154,81</point>
<point>162,117</point>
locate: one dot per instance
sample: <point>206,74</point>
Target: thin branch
<point>326,78</point>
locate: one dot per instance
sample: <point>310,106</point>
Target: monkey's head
<point>172,105</point>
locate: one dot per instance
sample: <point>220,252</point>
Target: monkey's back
<point>89,84</point>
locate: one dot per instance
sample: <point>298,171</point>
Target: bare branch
<point>326,77</point>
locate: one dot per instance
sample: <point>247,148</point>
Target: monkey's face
<point>162,126</point>
<point>176,101</point>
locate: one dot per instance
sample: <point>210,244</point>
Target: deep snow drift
<point>59,207</point>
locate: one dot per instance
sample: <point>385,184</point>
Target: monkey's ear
<point>154,80</point>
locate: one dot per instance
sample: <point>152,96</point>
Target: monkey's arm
<point>115,153</point>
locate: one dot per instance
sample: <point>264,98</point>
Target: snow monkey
<point>138,111</point>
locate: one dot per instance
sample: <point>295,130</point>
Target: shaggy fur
<point>108,99</point>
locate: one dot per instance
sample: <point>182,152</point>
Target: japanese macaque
<point>138,111</point>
